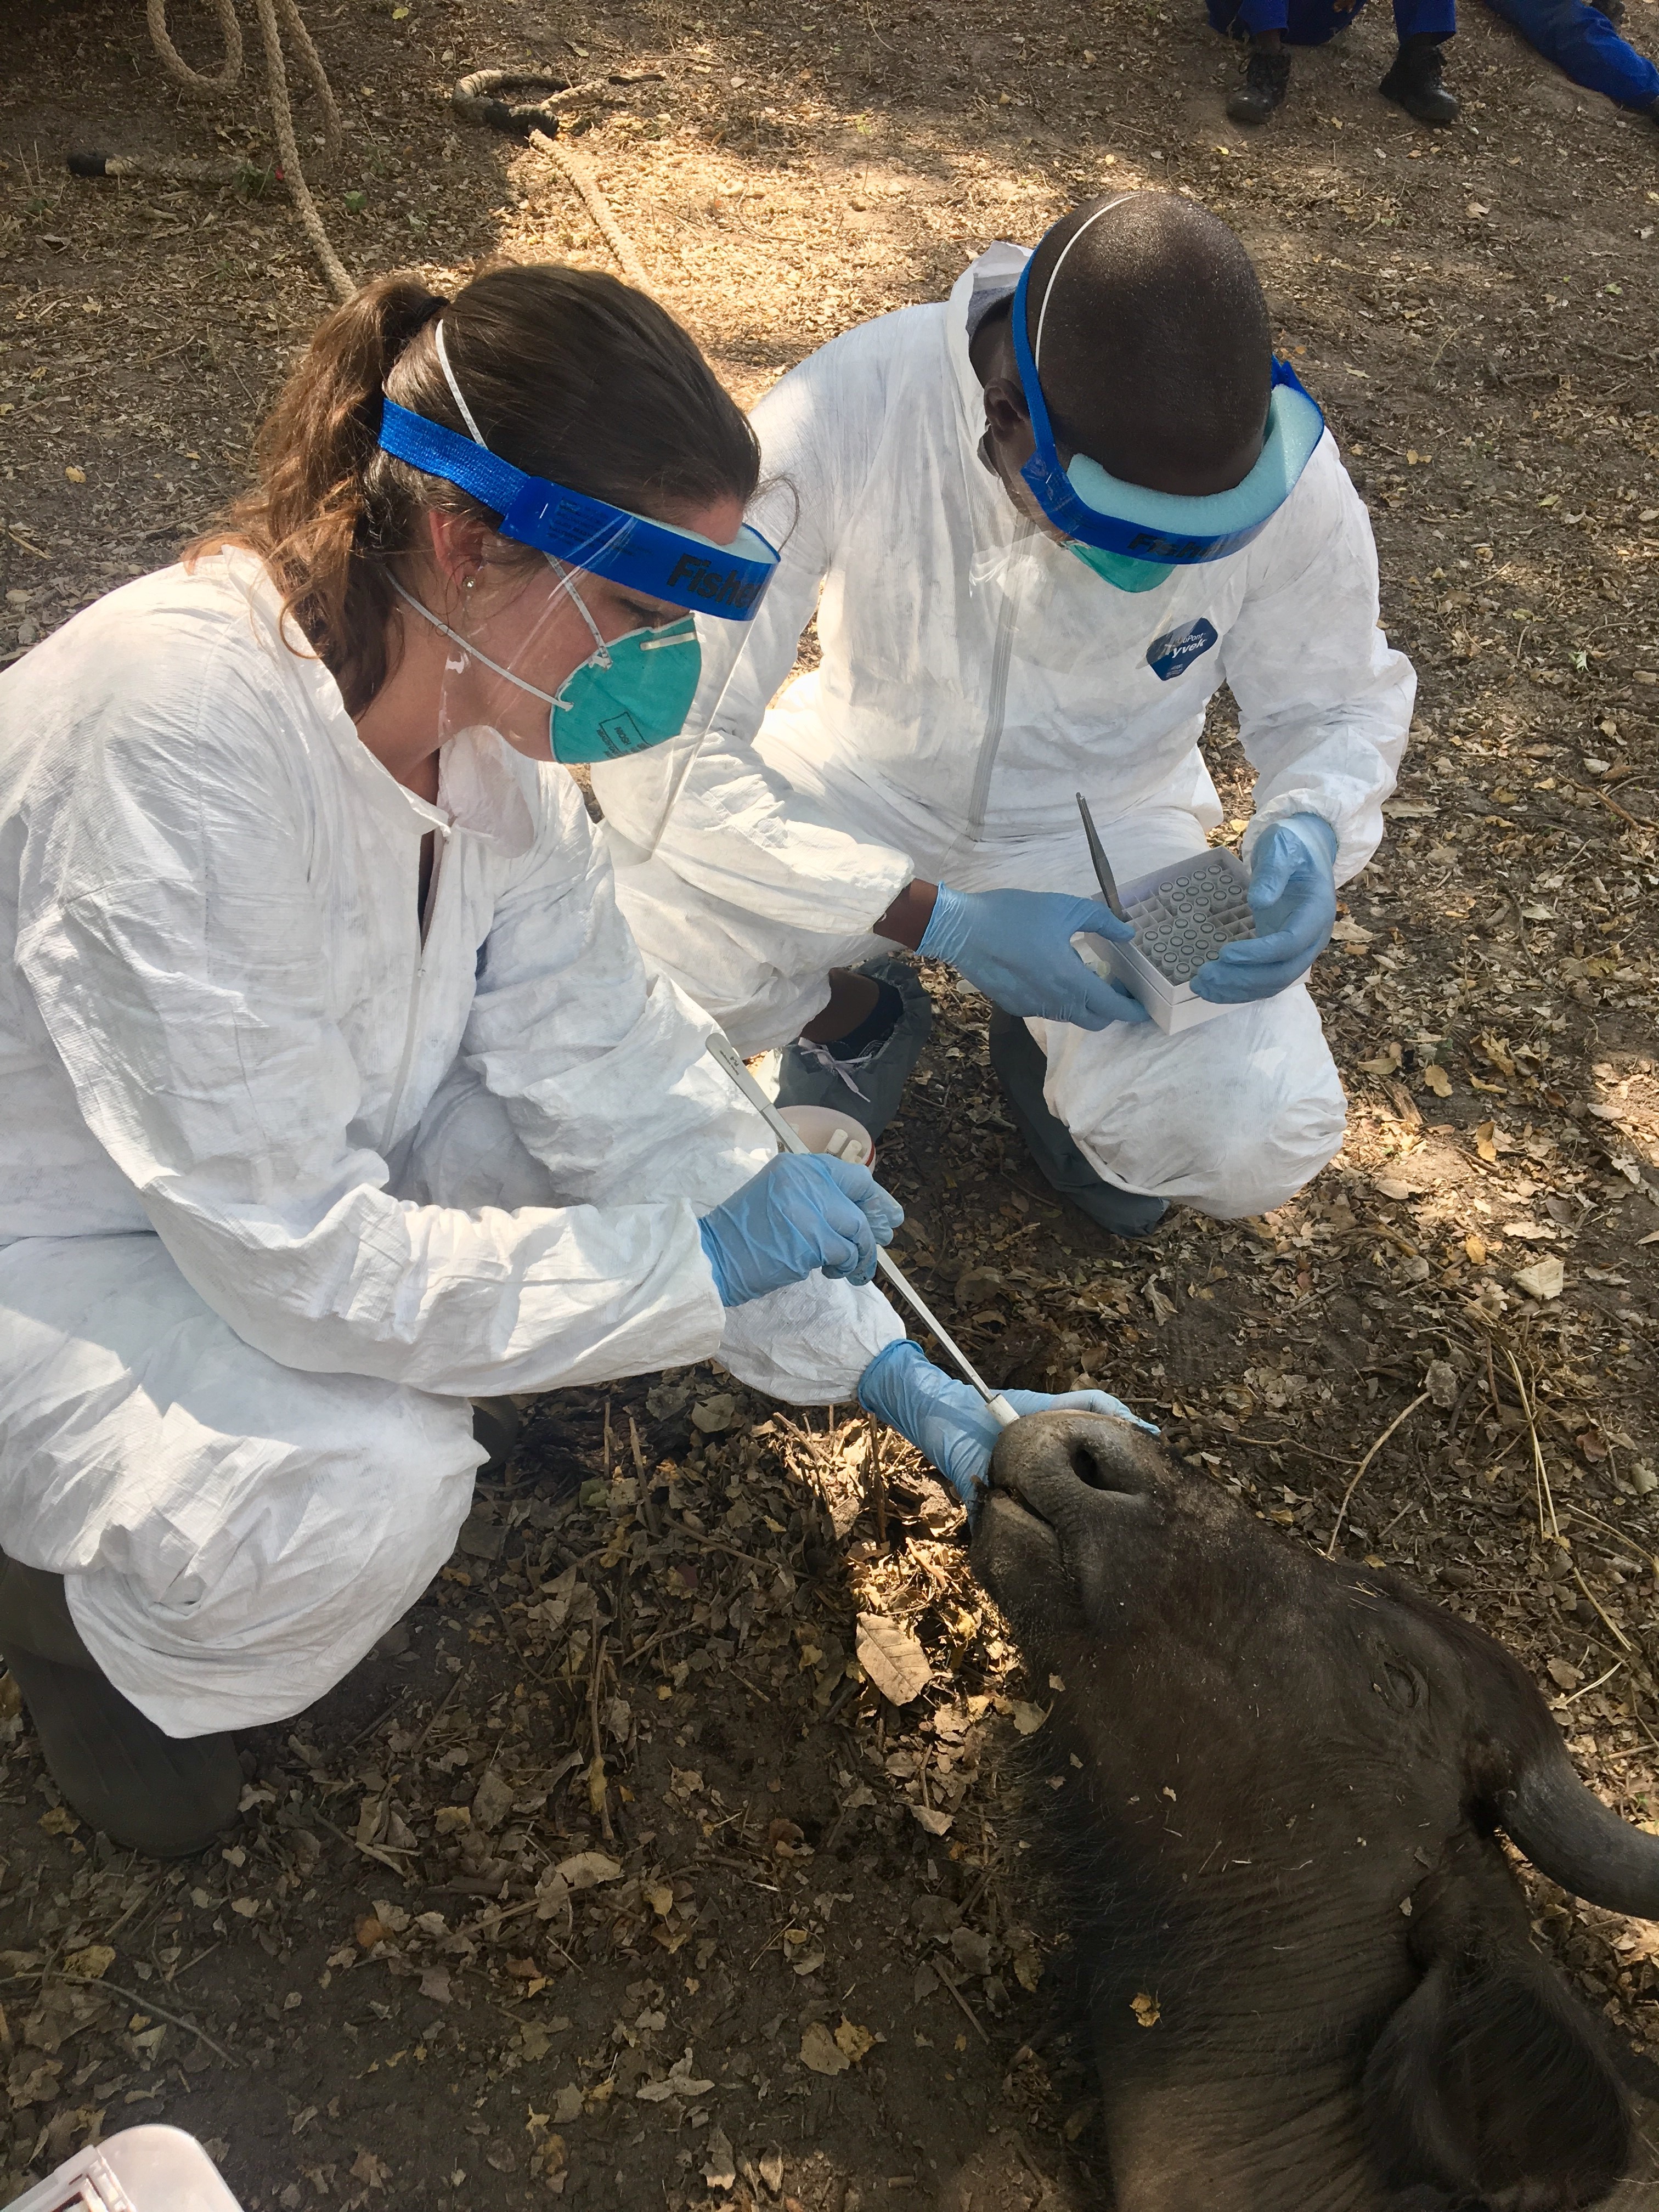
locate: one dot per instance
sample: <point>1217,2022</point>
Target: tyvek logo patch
<point>1176,650</point>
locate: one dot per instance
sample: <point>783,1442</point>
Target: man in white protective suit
<point>1039,524</point>
<point>336,1092</point>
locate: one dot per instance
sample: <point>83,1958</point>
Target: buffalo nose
<point>1088,1463</point>
<point>1050,1453</point>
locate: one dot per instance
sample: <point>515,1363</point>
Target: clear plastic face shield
<point>588,653</point>
<point>1130,535</point>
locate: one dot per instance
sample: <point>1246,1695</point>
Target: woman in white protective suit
<point>336,1092</point>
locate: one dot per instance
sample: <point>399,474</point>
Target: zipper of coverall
<point>411,1029</point>
<point>1002,654</point>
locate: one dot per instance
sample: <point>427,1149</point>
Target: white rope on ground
<point>598,206</point>
<point>179,69</point>
<point>270,28</point>
<point>282,116</point>
<point>477,99</point>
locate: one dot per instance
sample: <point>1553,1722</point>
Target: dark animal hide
<point>1309,1975</point>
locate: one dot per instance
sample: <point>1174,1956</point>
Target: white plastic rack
<point>1182,916</point>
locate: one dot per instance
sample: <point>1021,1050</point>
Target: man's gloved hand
<point>802,1211</point>
<point>1016,946</point>
<point>1293,896</point>
<point>949,1421</point>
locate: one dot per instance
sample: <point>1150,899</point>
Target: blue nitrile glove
<point>949,1422</point>
<point>801,1212</point>
<point>1016,946</point>
<point>1293,896</point>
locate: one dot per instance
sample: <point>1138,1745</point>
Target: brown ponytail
<point>570,374</point>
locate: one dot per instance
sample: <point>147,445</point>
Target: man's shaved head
<point>1156,353</point>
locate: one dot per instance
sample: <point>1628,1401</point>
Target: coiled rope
<point>179,68</point>
<point>476,100</point>
<point>598,206</point>
<point>282,114</point>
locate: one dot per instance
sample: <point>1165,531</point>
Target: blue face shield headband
<point>1159,531</point>
<point>631,692</point>
<point>630,549</point>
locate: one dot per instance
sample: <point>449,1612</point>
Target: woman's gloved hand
<point>801,1212</point>
<point>1016,946</point>
<point>1293,896</point>
<point>949,1422</point>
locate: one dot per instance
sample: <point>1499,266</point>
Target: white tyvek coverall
<point>281,1184</point>
<point>975,676</point>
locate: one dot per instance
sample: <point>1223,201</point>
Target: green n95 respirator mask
<point>1119,569</point>
<point>631,692</point>
<point>628,696</point>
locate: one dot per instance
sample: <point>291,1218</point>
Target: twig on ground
<point>644,1650</point>
<point>593,1676</point>
<point>1596,1685</point>
<point>190,1964</point>
<point>437,1714</point>
<point>368,1851</point>
<point>1282,1443</point>
<point>374,1726</point>
<point>764,1949</point>
<point>148,2004</point>
<point>878,1482</point>
<point>1552,1532</point>
<point>1546,1496</point>
<point>1398,1518</point>
<point>973,2017</point>
<point>753,1691</point>
<point>1421,1399</point>
<point>731,1552</point>
<point>1633,820</point>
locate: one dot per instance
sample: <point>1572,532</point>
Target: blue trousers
<point>1580,40</point>
<point>1310,22</point>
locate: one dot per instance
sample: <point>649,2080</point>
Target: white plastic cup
<point>827,1129</point>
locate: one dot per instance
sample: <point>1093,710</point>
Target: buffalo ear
<point>1418,2133</point>
<point>1487,2080</point>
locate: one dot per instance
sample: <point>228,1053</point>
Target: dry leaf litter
<point>667,1849</point>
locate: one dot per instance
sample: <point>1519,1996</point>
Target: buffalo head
<point>1310,1974</point>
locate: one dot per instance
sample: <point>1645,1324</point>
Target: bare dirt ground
<point>610,1876</point>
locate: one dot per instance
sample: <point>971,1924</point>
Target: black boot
<point>1266,80</point>
<point>1021,1068</point>
<point>1414,83</point>
<point>165,1795</point>
<point>496,1423</point>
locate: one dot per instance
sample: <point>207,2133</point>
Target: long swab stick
<point>724,1055</point>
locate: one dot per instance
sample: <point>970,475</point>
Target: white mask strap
<point>467,647</point>
<point>563,574</point>
<point>567,583</point>
<point>1042,311</point>
<point>455,390</point>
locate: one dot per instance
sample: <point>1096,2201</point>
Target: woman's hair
<point>570,375</point>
